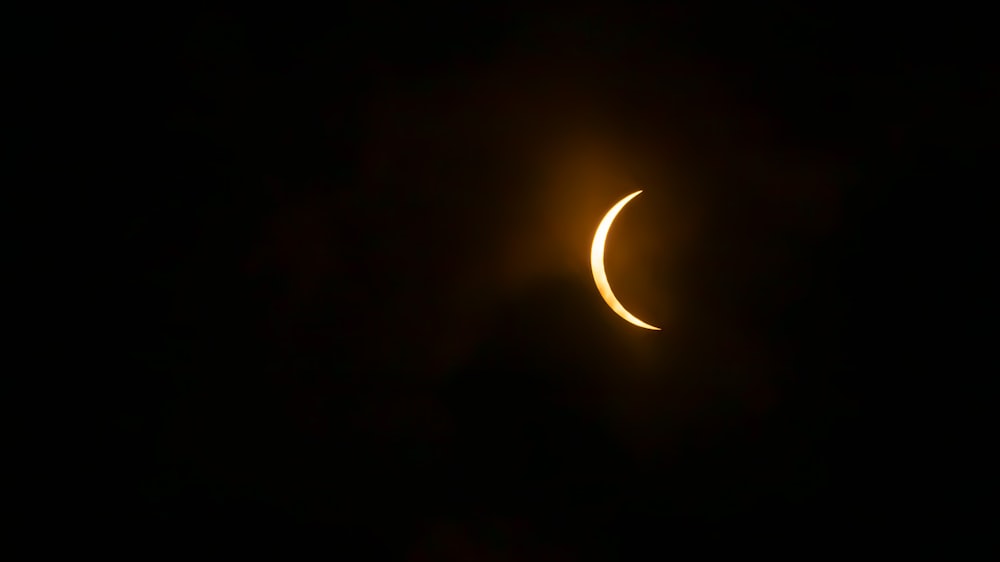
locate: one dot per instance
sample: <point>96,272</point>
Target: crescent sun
<point>597,264</point>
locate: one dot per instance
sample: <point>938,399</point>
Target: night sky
<point>364,316</point>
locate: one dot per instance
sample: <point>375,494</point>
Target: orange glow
<point>597,264</point>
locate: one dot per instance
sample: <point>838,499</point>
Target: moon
<point>597,264</point>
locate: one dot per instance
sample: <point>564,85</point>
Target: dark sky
<point>366,315</point>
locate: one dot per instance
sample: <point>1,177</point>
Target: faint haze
<point>478,188</point>
<point>375,285</point>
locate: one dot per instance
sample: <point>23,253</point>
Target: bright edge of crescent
<point>597,265</point>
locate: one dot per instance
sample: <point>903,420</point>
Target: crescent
<point>597,264</point>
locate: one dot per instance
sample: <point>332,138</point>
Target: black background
<point>360,312</point>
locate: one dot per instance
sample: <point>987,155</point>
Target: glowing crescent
<point>597,264</point>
